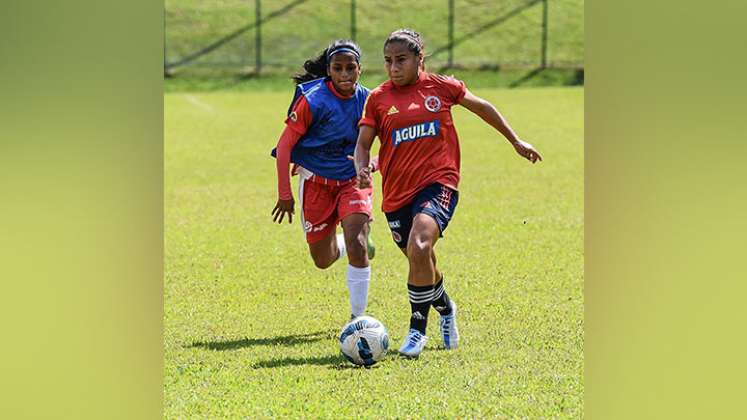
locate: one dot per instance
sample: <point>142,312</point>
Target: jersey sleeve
<point>455,88</point>
<point>369,116</point>
<point>300,117</point>
<point>287,141</point>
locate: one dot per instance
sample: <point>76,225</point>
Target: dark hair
<point>411,38</point>
<point>317,67</point>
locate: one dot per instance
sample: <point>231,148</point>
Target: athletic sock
<point>420,303</point>
<point>341,245</point>
<point>441,301</point>
<point>358,280</point>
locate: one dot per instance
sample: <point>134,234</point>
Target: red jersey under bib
<point>419,143</point>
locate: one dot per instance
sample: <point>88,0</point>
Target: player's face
<point>401,63</point>
<point>344,72</point>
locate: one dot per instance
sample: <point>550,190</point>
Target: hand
<point>364,175</point>
<point>365,180</point>
<point>281,208</point>
<point>527,151</point>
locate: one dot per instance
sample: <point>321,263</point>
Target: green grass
<point>250,324</point>
<point>306,29</point>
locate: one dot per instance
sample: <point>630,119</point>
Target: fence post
<point>258,36</point>
<point>451,34</point>
<point>352,20</point>
<point>544,34</point>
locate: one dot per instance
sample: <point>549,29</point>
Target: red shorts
<point>324,205</point>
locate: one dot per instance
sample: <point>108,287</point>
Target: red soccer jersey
<point>419,143</point>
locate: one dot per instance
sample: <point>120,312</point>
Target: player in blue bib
<point>321,129</point>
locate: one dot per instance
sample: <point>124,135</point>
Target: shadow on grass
<point>285,340</point>
<point>329,360</point>
<point>336,362</point>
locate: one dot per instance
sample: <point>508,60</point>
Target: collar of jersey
<point>331,87</point>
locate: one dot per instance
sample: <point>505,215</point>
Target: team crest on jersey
<point>416,132</point>
<point>433,103</point>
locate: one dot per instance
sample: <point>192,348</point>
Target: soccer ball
<point>364,341</point>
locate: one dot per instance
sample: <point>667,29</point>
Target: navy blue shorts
<point>435,200</point>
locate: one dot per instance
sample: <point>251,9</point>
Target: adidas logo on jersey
<point>415,132</point>
<point>392,110</point>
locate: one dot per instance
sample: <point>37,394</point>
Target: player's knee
<point>356,247</point>
<point>322,261</point>
<point>419,249</point>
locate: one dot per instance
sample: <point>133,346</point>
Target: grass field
<point>250,325</point>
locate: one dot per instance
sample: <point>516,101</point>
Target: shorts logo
<point>394,224</point>
<point>307,226</point>
<point>444,198</point>
<point>320,227</point>
<point>433,103</point>
<point>293,116</point>
<point>416,132</point>
<point>397,237</point>
<point>368,202</point>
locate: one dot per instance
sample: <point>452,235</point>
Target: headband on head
<point>343,49</point>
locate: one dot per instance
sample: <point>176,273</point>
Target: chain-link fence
<point>259,36</point>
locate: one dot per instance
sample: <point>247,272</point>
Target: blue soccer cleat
<point>414,344</point>
<point>449,331</point>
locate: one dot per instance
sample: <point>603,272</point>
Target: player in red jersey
<point>419,163</point>
<point>320,133</point>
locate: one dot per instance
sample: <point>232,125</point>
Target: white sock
<point>341,245</point>
<point>358,280</point>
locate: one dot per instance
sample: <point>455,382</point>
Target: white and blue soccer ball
<point>364,341</point>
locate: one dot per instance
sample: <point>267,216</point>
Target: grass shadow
<point>285,340</point>
<point>335,362</point>
<point>330,360</point>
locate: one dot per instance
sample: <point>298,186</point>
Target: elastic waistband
<point>326,181</point>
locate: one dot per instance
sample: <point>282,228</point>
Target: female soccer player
<point>319,135</point>
<point>419,161</point>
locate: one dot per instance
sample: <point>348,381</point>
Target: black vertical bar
<point>258,36</point>
<point>544,34</point>
<point>451,34</point>
<point>352,20</point>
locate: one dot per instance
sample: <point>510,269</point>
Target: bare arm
<point>489,114</point>
<point>366,135</point>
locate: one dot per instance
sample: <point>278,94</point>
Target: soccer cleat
<point>414,344</point>
<point>449,331</point>
<point>371,248</point>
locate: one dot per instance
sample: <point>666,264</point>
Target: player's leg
<point>355,207</point>
<point>433,208</point>
<point>355,231</point>
<point>327,250</point>
<point>420,252</point>
<point>442,206</point>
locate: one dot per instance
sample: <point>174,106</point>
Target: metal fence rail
<point>265,35</point>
